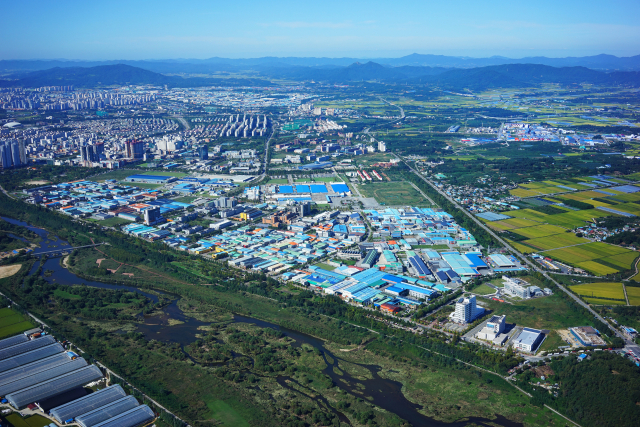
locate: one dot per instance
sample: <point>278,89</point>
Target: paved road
<point>516,252</point>
<point>266,150</point>
<point>184,123</point>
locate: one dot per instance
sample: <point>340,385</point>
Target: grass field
<point>605,290</point>
<point>483,290</point>
<point>113,222</point>
<point>393,193</point>
<point>542,313</point>
<point>141,185</point>
<point>279,181</point>
<point>119,175</point>
<point>164,173</point>
<point>225,414</point>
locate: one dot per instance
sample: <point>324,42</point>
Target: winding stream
<point>384,393</point>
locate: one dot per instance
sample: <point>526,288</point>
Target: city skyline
<point>161,30</point>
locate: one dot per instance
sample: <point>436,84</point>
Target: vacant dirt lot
<point>9,270</point>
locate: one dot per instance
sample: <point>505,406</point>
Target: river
<point>383,392</point>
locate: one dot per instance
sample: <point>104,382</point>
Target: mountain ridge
<point>474,79</point>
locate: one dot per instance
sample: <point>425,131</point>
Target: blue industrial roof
<point>340,188</point>
<point>475,260</point>
<point>301,189</point>
<point>318,188</point>
<point>285,189</point>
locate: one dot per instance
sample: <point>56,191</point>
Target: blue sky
<point>159,29</point>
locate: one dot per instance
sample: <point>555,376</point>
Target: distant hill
<point>211,65</point>
<point>475,79</point>
<point>108,75</point>
<point>481,78</point>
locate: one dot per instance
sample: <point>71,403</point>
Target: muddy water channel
<point>173,326</point>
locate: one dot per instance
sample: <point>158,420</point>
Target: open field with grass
<point>549,312</point>
<point>279,181</point>
<point>141,185</point>
<point>114,222</point>
<point>483,290</point>
<point>393,193</point>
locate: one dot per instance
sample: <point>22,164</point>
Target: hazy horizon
<point>76,30</point>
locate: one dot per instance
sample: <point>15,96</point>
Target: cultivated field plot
<point>633,293</point>
<point>522,248</point>
<point>393,193</point>
<point>539,231</point>
<point>542,188</point>
<point>597,268</point>
<point>529,214</point>
<point>594,257</point>
<point>555,241</point>
<point>519,222</point>
<point>12,322</point>
<point>521,192</point>
<point>600,291</point>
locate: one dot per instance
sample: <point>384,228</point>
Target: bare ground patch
<point>9,270</point>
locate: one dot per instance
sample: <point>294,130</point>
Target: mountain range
<point>474,79</point>
<point>215,64</point>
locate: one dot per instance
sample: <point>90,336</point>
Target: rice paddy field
<point>602,290</point>
<point>550,234</point>
<point>633,293</point>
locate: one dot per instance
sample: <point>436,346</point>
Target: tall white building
<point>382,146</point>
<point>466,310</point>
